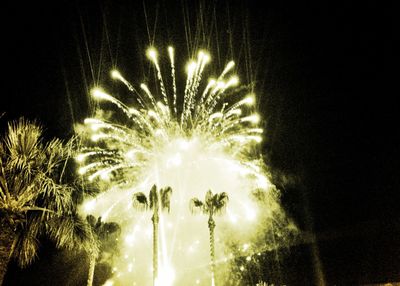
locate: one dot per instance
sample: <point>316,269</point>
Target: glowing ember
<point>206,143</point>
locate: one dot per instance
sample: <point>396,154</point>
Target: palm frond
<point>54,196</point>
<point>104,233</point>
<point>91,220</point>
<point>112,227</point>
<point>30,198</point>
<point>212,204</point>
<point>26,245</point>
<point>196,205</point>
<point>72,232</point>
<point>4,192</point>
<point>153,197</point>
<point>208,200</point>
<point>139,201</point>
<point>165,194</point>
<point>23,144</point>
<point>220,201</point>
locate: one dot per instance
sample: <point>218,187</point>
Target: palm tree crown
<point>212,204</point>
<point>154,200</point>
<point>33,200</point>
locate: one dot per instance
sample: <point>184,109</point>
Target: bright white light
<point>115,74</point>
<point>207,143</point>
<point>255,118</point>
<point>108,283</point>
<point>152,54</point>
<point>250,214</point>
<point>174,161</point>
<point>249,100</point>
<point>89,206</point>
<point>100,94</point>
<point>166,276</point>
<point>129,239</point>
<point>191,66</point>
<point>80,158</point>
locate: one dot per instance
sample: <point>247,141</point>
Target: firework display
<point>205,137</point>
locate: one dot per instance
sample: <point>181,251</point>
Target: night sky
<point>324,74</point>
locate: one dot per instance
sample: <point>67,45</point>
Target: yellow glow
<point>250,100</point>
<point>255,118</point>
<point>232,81</point>
<point>263,182</point>
<point>228,67</point>
<point>152,54</point>
<point>184,144</point>
<point>250,214</point>
<point>204,56</point>
<point>166,276</point>
<point>115,74</point>
<point>95,137</point>
<point>100,94</point>
<point>258,139</point>
<point>191,66</point>
<point>89,206</point>
<point>109,283</point>
<point>215,115</point>
<point>207,143</point>
<point>82,170</point>
<point>152,113</point>
<point>131,154</point>
<point>232,216</point>
<point>175,160</point>
<point>200,54</point>
<point>235,112</point>
<point>104,176</point>
<point>129,239</point>
<point>80,158</point>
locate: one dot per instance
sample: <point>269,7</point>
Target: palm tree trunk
<point>92,265</point>
<point>7,236</point>
<point>155,246</point>
<point>211,227</point>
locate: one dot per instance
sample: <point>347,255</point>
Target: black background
<point>325,74</point>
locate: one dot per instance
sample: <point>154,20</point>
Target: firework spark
<point>204,140</point>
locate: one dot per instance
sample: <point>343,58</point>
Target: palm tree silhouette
<point>156,201</point>
<point>33,201</point>
<point>213,204</point>
<point>102,232</point>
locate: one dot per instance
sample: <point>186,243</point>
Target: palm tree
<point>33,201</point>
<point>156,201</point>
<point>213,204</point>
<point>102,232</point>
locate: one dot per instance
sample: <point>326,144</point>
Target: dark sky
<point>324,73</point>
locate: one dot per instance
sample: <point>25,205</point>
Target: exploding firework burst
<point>204,140</point>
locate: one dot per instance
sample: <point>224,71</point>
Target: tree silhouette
<point>33,201</point>
<point>213,204</point>
<point>102,232</point>
<point>156,201</point>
